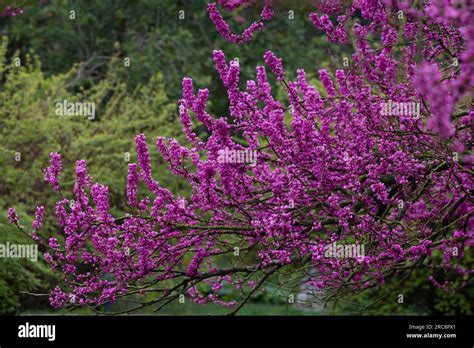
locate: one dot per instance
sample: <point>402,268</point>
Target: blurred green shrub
<point>30,129</point>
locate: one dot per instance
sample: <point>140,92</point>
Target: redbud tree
<point>380,158</point>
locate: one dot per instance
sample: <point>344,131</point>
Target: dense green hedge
<point>30,129</point>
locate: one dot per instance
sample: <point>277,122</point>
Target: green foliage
<point>154,37</point>
<point>30,129</point>
<point>18,276</point>
<point>419,297</point>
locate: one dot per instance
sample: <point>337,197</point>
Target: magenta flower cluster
<point>39,215</point>
<point>52,174</point>
<point>223,27</point>
<point>275,65</point>
<point>12,216</point>
<point>10,11</point>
